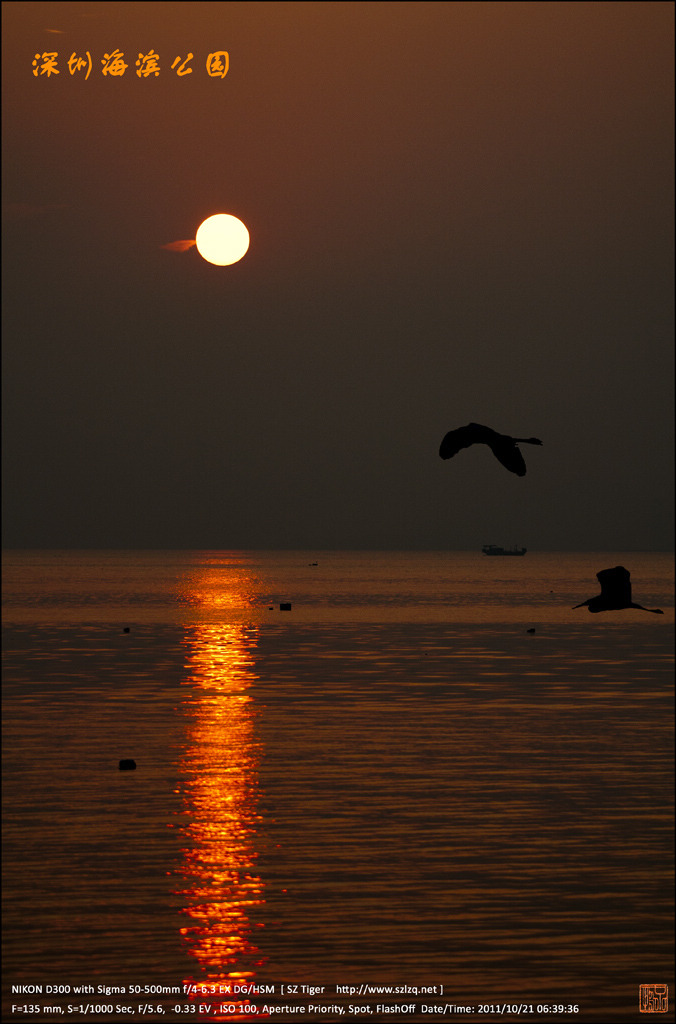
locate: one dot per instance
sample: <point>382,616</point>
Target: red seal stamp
<point>653,998</point>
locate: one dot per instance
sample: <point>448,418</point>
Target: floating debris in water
<point>127,764</point>
<point>285,607</point>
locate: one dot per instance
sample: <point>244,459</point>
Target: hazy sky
<point>458,211</point>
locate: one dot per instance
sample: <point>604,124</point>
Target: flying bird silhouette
<point>615,593</point>
<point>181,245</point>
<point>505,448</point>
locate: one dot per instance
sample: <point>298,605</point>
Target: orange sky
<point>458,211</point>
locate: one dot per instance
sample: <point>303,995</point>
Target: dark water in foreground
<point>393,784</point>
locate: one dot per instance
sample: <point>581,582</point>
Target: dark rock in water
<point>285,607</point>
<point>531,630</point>
<point>126,629</point>
<point>127,765</point>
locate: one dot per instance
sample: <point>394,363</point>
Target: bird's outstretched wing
<point>615,584</point>
<point>509,454</point>
<point>455,440</point>
<point>504,448</point>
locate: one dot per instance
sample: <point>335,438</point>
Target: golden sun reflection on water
<point>221,585</point>
<point>219,779</point>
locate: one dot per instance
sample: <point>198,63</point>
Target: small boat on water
<point>494,549</point>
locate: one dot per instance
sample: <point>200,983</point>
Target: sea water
<point>429,786</point>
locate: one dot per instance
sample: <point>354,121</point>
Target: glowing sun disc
<point>222,239</point>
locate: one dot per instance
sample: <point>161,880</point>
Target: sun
<point>222,239</point>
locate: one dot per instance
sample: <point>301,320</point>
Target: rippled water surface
<point>394,783</point>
